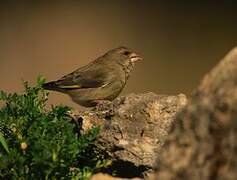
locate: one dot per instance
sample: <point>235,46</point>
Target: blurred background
<point>179,40</point>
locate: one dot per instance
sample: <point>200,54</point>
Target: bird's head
<point>123,56</point>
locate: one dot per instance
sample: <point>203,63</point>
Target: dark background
<point>179,40</point>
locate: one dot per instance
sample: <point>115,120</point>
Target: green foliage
<point>36,143</point>
<point>3,142</point>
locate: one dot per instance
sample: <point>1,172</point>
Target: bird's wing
<point>87,77</point>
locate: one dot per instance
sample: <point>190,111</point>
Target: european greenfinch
<point>102,79</point>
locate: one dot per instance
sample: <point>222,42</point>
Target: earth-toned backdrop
<point>180,41</point>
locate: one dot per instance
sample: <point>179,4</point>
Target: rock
<point>133,128</point>
<point>139,126</point>
<point>202,141</point>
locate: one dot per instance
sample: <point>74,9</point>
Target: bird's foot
<point>104,107</point>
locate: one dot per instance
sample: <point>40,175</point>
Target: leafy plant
<point>36,143</point>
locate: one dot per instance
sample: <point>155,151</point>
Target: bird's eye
<point>126,53</point>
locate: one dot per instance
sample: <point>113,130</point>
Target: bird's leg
<point>103,105</point>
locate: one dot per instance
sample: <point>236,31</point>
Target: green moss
<point>36,143</point>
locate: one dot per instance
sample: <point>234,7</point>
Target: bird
<point>101,80</point>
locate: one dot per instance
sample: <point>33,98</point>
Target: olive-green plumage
<point>102,79</point>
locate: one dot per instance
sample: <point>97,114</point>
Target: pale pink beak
<point>135,57</point>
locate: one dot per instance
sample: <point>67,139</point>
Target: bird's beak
<point>135,57</point>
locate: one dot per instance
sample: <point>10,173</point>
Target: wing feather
<point>87,77</point>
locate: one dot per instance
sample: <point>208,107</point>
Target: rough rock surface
<point>202,141</point>
<point>134,127</point>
